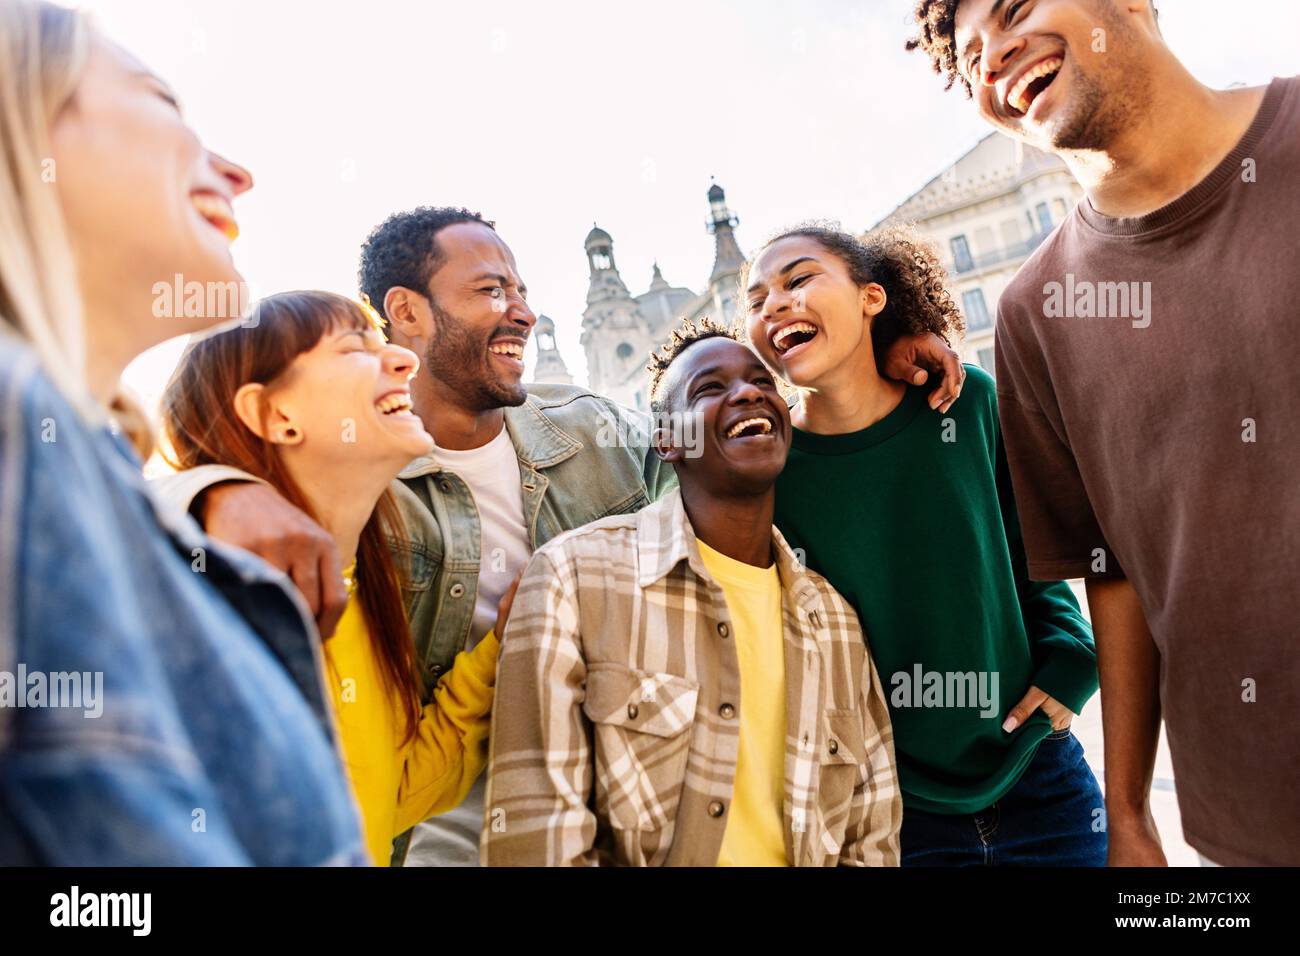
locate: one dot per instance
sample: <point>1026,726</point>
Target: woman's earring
<point>288,434</point>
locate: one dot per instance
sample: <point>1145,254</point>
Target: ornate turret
<point>727,257</point>
<point>613,330</point>
<point>550,364</point>
<point>606,283</point>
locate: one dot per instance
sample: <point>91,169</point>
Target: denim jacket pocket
<point>642,721</point>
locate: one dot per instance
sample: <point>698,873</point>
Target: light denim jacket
<point>214,745</point>
<point>581,457</point>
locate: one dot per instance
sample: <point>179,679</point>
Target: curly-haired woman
<point>908,512</point>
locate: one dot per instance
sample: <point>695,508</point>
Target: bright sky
<point>549,116</point>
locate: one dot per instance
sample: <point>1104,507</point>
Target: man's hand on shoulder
<point>914,358</point>
<point>254,517</point>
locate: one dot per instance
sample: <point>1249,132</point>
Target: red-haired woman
<point>313,400</point>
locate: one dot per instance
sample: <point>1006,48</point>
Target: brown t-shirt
<point>1147,373</point>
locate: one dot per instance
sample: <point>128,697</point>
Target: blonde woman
<point>168,700</point>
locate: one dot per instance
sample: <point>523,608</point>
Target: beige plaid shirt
<point>616,723</point>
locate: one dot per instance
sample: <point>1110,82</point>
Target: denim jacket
<point>213,743</point>
<point>581,457</point>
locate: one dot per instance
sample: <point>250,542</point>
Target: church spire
<point>727,257</point>
<point>657,281</point>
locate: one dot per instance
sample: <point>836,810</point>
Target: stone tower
<point>550,364</point>
<point>727,257</point>
<point>615,335</point>
<point>620,330</point>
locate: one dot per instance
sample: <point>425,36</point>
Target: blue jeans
<point>1053,816</point>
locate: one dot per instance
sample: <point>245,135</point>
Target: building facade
<point>620,330</point>
<point>987,213</point>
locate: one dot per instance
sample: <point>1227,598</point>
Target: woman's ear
<point>874,300</point>
<point>277,427</point>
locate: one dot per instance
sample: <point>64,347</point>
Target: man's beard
<point>1097,117</point>
<point>459,360</point>
<point>1102,107</point>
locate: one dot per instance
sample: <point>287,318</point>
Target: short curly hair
<point>682,338</point>
<point>936,22</point>
<point>900,261</point>
<point>402,251</point>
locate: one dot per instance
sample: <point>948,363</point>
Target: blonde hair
<point>43,50</point>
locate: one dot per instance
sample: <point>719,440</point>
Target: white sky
<point>547,116</point>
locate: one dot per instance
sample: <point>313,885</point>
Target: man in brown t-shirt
<point>1146,357</point>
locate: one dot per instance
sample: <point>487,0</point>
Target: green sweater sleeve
<point>1065,657</point>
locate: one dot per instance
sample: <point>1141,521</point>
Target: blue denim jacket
<point>215,743</point>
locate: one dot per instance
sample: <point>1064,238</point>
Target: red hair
<point>199,420</point>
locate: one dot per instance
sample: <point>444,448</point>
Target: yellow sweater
<point>399,784</point>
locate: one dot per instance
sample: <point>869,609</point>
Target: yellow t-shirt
<point>755,833</point>
<point>398,785</point>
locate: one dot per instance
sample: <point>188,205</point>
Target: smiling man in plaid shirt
<point>675,688</point>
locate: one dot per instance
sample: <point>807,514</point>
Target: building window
<point>961,257</point>
<point>986,360</point>
<point>976,310</point>
<point>1044,217</point>
<point>624,351</point>
<point>1059,207</point>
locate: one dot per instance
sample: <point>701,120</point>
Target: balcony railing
<point>996,257</point>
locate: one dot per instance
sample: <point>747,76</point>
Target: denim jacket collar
<point>538,442</point>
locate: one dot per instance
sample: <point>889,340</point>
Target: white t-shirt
<point>492,473</point>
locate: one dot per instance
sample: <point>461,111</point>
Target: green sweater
<point>913,521</point>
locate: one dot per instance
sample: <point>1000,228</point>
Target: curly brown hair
<point>682,338</point>
<point>935,22</point>
<point>900,261</point>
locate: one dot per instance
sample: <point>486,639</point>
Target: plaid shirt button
<point>723,630</point>
<point>715,808</point>
<point>833,746</point>
<point>632,711</point>
<point>727,711</point>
